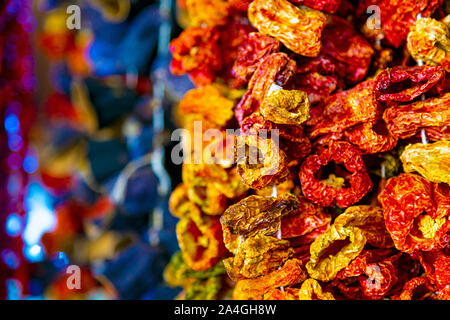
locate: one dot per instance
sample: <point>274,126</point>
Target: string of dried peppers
<point>346,202</point>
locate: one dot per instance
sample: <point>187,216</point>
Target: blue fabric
<point>125,47</point>
<point>136,269</point>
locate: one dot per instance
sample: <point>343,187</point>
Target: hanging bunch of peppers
<point>349,118</point>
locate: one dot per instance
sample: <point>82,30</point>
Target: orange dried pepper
<point>298,29</point>
<point>416,213</point>
<point>289,274</point>
<point>429,41</point>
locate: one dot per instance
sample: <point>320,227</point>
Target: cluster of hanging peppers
<point>336,184</point>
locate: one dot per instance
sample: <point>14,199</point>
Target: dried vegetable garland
<point>352,201</point>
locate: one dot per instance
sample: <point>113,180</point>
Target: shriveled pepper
<point>345,109</point>
<point>276,68</point>
<point>416,213</point>
<point>250,53</point>
<point>196,52</point>
<point>371,138</point>
<point>437,269</point>
<point>290,273</point>
<point>298,29</point>
<point>325,195</point>
<point>286,107</point>
<point>432,161</point>
<point>255,215</point>
<point>334,250</point>
<point>350,52</point>
<point>304,220</point>
<point>418,286</point>
<point>403,84</point>
<point>432,115</point>
<point>429,41</point>
<point>375,271</point>
<point>370,220</point>
<point>200,240</point>
<point>258,256</point>
<point>260,162</point>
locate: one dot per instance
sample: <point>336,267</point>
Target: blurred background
<point>86,120</point>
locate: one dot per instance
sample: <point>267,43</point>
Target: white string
<point>420,64</point>
<point>275,194</point>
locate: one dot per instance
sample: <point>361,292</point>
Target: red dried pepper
<point>397,16</point>
<point>433,115</point>
<point>328,6</point>
<point>418,286</point>
<point>250,53</point>
<point>416,212</point>
<point>293,140</point>
<point>344,109</point>
<point>325,195</point>
<point>276,68</point>
<point>196,52</point>
<point>371,138</point>
<point>349,51</point>
<point>437,269</point>
<point>403,84</point>
<point>304,220</point>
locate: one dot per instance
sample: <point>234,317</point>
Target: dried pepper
<point>325,195</point>
<point>432,161</point>
<point>418,287</point>
<point>286,107</point>
<point>196,52</point>
<point>307,218</point>
<point>298,29</point>
<point>371,138</point>
<point>437,270</point>
<point>276,68</point>
<point>432,115</point>
<point>350,52</point>
<point>255,215</point>
<point>403,84</point>
<point>345,109</point>
<point>260,162</point>
<point>255,48</point>
<point>416,213</point>
<point>429,41</point>
<point>200,239</point>
<point>375,272</point>
<point>257,256</point>
<point>334,250</point>
<point>327,106</point>
<point>371,222</point>
<point>254,289</point>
